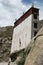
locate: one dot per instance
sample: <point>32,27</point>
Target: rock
<point>5,42</point>
<point>35,57</point>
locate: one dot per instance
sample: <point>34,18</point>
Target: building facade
<point>25,28</point>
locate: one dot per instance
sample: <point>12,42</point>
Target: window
<point>19,43</point>
<point>35,25</point>
<point>35,16</point>
<point>35,33</point>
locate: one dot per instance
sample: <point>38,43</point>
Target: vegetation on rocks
<point>5,47</point>
<point>33,54</point>
<point>5,42</point>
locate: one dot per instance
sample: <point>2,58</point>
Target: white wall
<point>23,32</point>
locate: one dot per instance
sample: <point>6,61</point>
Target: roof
<point>25,15</point>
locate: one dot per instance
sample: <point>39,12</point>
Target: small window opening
<point>35,33</point>
<point>35,16</point>
<point>35,25</point>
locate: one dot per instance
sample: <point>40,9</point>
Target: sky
<point>11,10</point>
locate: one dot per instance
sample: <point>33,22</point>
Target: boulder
<point>35,56</point>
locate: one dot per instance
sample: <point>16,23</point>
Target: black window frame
<point>35,32</point>
<point>35,25</point>
<point>35,16</point>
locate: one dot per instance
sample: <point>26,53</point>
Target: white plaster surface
<point>22,32</point>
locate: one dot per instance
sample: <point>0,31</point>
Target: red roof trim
<point>28,13</point>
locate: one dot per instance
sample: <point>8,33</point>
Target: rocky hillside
<point>5,42</point>
<point>41,23</point>
<point>33,54</point>
<point>6,31</point>
<point>35,57</point>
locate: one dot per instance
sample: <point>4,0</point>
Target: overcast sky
<point>10,10</point>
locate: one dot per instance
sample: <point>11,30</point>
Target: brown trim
<point>28,13</point>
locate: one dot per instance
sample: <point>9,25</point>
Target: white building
<point>25,28</point>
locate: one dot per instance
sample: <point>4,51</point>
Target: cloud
<point>11,10</point>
